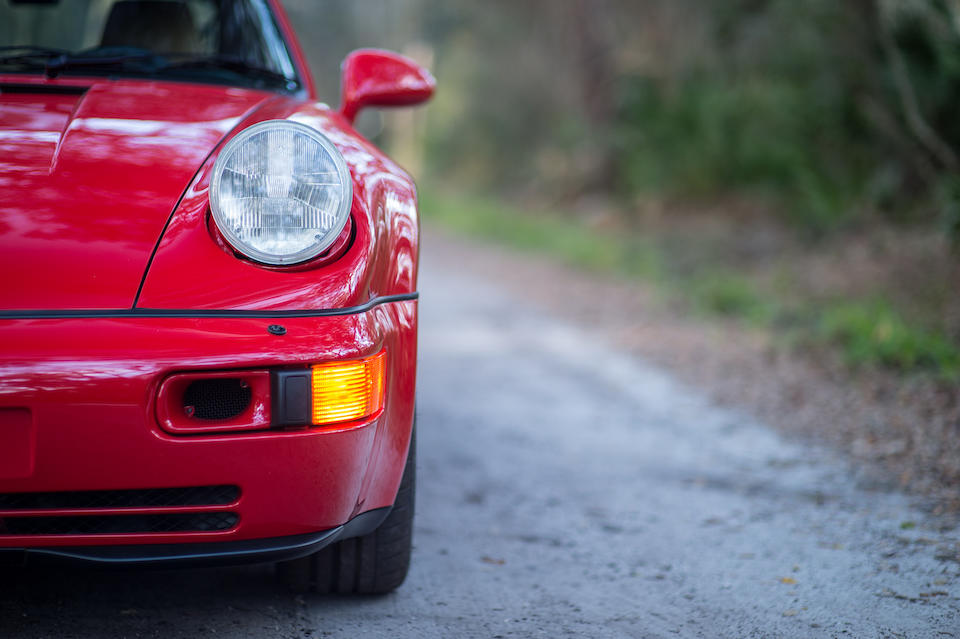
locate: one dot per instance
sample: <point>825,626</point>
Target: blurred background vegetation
<point>794,165</point>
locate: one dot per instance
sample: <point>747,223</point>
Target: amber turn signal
<point>346,391</point>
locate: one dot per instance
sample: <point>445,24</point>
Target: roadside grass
<point>547,234</point>
<point>872,332</point>
<point>866,332</point>
<point>729,295</point>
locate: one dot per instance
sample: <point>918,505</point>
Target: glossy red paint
<point>105,206</point>
<point>94,424</point>
<point>372,77</point>
<point>90,179</point>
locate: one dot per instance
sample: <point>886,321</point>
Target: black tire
<point>375,563</point>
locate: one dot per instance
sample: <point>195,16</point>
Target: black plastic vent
<point>215,399</point>
<point>146,498</point>
<point>118,524</point>
<point>41,89</point>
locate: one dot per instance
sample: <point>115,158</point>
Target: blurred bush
<point>832,108</point>
<point>834,111</point>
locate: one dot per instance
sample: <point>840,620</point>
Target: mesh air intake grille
<point>218,398</point>
<point>118,524</point>
<point>146,498</point>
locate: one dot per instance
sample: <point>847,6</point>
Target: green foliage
<point>873,333</point>
<point>548,234</point>
<point>711,135</point>
<point>829,108</point>
<point>772,109</point>
<point>927,34</point>
<point>949,204</point>
<point>730,295</point>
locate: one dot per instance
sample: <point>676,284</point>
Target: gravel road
<point>568,490</point>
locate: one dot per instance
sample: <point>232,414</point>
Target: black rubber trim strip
<point>199,313</point>
<point>197,554</point>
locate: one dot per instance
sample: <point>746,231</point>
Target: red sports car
<point>208,318</point>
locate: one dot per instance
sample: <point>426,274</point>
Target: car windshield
<point>233,42</point>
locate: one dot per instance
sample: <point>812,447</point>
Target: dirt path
<point>898,433</point>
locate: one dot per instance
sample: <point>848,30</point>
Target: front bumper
<point>88,389</point>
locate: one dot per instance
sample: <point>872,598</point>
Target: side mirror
<point>371,77</point>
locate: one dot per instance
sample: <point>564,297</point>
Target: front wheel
<point>375,563</point>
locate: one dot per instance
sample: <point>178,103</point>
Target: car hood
<point>89,176</point>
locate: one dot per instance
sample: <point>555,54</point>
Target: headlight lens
<point>280,192</point>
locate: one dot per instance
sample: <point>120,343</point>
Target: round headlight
<point>280,192</point>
